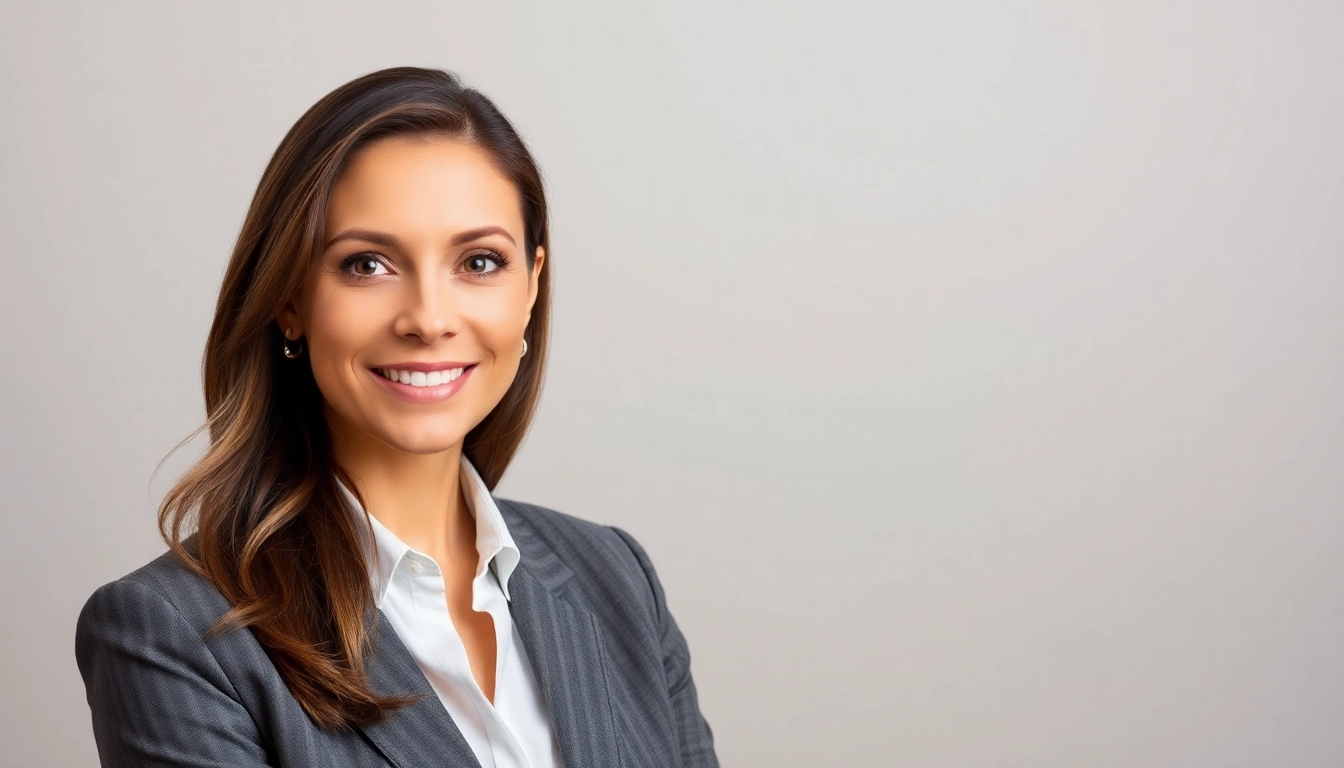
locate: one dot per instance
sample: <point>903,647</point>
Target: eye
<point>355,265</point>
<point>479,263</point>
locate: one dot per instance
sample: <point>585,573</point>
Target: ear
<point>534,280</point>
<point>291,324</point>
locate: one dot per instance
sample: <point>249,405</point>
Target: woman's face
<point>422,275</point>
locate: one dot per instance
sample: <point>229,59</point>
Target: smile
<point>423,386</point>
<point>421,378</point>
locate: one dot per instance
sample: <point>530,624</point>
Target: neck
<point>418,497</point>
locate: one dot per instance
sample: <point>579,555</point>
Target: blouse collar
<point>493,542</point>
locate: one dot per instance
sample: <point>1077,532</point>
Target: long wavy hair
<point>272,531</point>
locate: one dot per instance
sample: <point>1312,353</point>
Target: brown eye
<point>486,263</point>
<point>356,266</point>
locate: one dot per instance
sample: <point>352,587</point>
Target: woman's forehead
<point>422,185</point>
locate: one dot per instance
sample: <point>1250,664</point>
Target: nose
<point>429,311</point>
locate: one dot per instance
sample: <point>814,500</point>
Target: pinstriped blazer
<point>612,666</point>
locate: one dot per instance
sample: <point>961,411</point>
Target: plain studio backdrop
<point>973,373</point>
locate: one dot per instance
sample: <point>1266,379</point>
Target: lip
<point>425,394</point>
<point>424,367</point>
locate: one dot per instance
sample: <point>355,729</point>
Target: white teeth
<point>420,378</point>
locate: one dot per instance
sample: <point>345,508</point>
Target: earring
<point>293,348</point>
<point>524,348</point>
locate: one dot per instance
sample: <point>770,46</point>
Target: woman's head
<point>401,224</point>
<point>369,238</point>
<point>414,310</point>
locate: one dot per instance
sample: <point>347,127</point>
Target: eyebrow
<point>391,241</point>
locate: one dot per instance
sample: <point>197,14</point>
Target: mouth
<point>422,379</point>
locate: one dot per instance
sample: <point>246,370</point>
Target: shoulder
<point>159,689</point>
<point>573,538</point>
<point>607,562</point>
<point>151,627</point>
<point>562,530</point>
<point>162,594</point>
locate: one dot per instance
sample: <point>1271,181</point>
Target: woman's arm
<point>693,732</point>
<point>157,694</point>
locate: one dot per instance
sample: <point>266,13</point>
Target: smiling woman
<point>422,275</point>
<point>354,593</point>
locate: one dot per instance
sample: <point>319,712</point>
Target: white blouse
<point>515,731</point>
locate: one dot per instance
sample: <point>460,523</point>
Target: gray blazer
<point>611,663</point>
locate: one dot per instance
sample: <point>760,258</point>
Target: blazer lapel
<point>565,647</point>
<point>420,734</point>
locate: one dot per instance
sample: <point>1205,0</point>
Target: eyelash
<point>500,260</point>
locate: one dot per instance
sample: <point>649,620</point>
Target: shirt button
<point>414,566</point>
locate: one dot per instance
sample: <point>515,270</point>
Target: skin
<point>424,300</point>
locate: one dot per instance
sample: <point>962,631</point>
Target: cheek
<point>506,316</point>
<point>503,338</point>
<point>337,331</point>
<point>332,371</point>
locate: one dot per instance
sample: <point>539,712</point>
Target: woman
<point>354,595</point>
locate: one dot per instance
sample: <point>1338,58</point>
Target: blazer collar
<point>419,734</point>
<point>565,645</point>
<point>563,641</point>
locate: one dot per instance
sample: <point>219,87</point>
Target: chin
<point>423,441</point>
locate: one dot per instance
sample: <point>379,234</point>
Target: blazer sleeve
<point>157,694</point>
<point>693,732</point>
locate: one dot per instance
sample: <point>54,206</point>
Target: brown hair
<point>273,532</point>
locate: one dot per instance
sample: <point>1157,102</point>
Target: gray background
<point>972,372</point>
